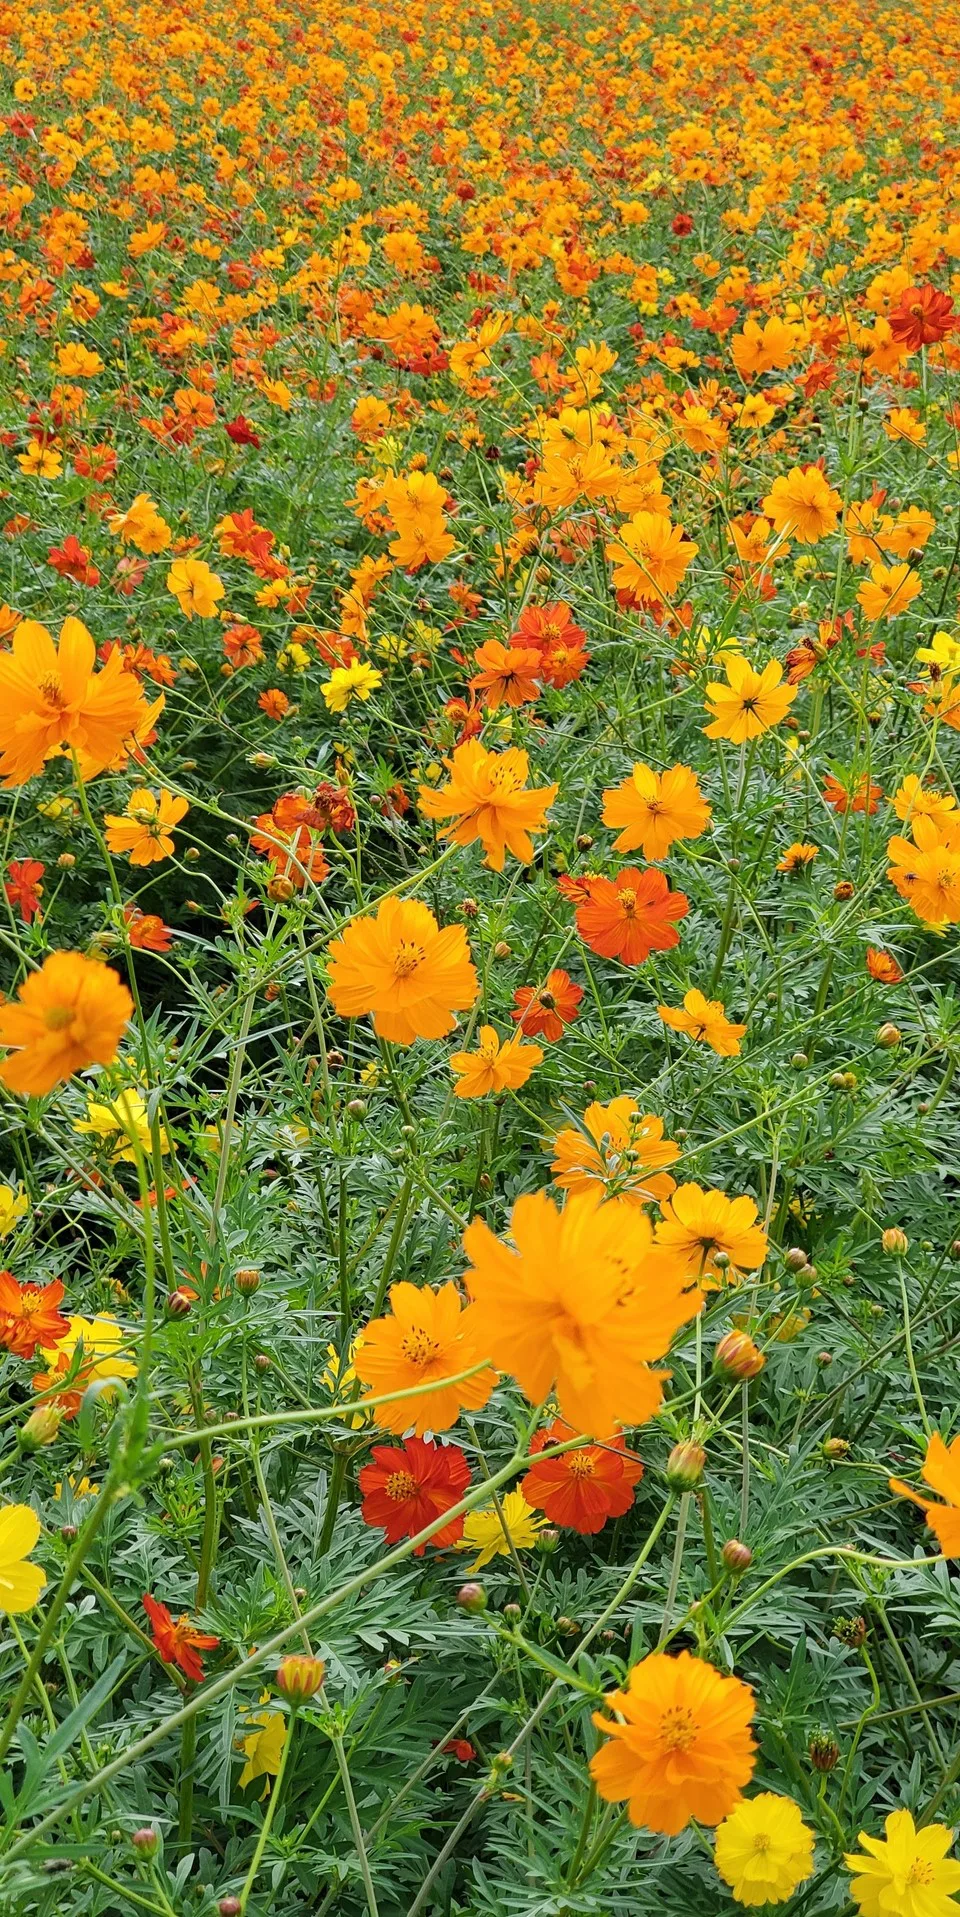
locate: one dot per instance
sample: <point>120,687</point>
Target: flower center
<point>581,1465</point>
<point>51,690</point>
<point>419,1348</point>
<point>628,900</point>
<point>57,1017</point>
<point>920,1872</point>
<point>400,1486</point>
<point>761,1841</point>
<point>677,1729</point>
<point>406,958</point>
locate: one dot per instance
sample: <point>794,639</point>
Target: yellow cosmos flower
<point>491,1537</point>
<point>20,1583</point>
<point>764,1849</point>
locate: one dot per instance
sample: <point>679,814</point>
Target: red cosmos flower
<point>291,848</point>
<point>95,462</point>
<point>460,1748</point>
<point>146,931</point>
<point>406,1486</point>
<point>548,626</point>
<point>29,1317</point>
<point>584,1488</point>
<point>177,1642</point>
<point>859,800</point>
<point>242,645</point>
<point>545,1012</point>
<point>72,561</point>
<point>923,317</point>
<point>241,432</point>
<point>681,224</point>
<point>575,890</point>
<point>333,807</point>
<point>883,966</point>
<point>23,888</point>
<point>631,916</point>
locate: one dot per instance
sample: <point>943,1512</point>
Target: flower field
<point>479,901</point>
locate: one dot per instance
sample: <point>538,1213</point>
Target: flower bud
<point>737,1557</point>
<point>737,1355</point>
<point>229,1907</point>
<point>824,1751</point>
<point>836,1448</point>
<point>895,1242</point>
<point>145,1841</point>
<point>40,1428</point>
<point>548,1539</point>
<point>179,1304</point>
<point>721,1260</point>
<point>889,1035</point>
<point>795,1258</point>
<point>851,1631</point>
<point>281,890</point>
<point>247,1280</point>
<point>299,1677</point>
<point>843,891</point>
<point>501,950</point>
<point>472,1598</point>
<point>685,1465</point>
<point>355,1108</point>
<point>511,1612</point>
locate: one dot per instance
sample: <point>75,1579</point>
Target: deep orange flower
<point>23,888</point>
<point>176,1640</point>
<point>631,916</point>
<point>71,1013</point>
<point>428,1336</point>
<point>407,1486</point>
<point>923,317</point>
<point>863,797</point>
<point>545,1011</point>
<point>293,851</point>
<point>508,675</point>
<point>274,703</point>
<point>883,966</point>
<point>146,931</point>
<point>683,1747</point>
<point>51,700</point>
<point>29,1315</point>
<point>941,1471</point>
<point>583,1488</point>
<point>403,969</point>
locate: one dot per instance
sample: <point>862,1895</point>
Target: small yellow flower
<point>263,1749</point>
<point>126,1114</point>
<point>907,1872</point>
<point>346,683</point>
<point>40,461</point>
<point>764,1849</point>
<point>13,1205</point>
<point>484,1532</point>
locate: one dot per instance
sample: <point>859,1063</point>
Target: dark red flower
<point>23,888</point>
<point>241,432</point>
<point>73,561</point>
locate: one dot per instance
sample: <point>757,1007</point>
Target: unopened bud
<point>472,1598</point>
<point>356,1108</point>
<point>895,1242</point>
<point>229,1907</point>
<point>300,1677</point>
<point>889,1035</point>
<point>836,1449</point>
<point>145,1841</point>
<point>261,1362</point>
<point>738,1356</point>
<point>722,1260</point>
<point>824,1751</point>
<point>40,1428</point>
<point>685,1465</point>
<point>795,1258</point>
<point>247,1280</point>
<point>843,890</point>
<point>851,1631</point>
<point>179,1304</point>
<point>501,950</point>
<point>737,1557</point>
<point>281,890</point>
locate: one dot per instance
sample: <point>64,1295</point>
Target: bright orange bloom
<point>804,505</point>
<point>545,1012</point>
<point>71,1013</point>
<point>494,1067</point>
<point>684,1748</point>
<point>862,798</point>
<point>583,1488</point>
<point>883,966</point>
<point>695,1225</point>
<point>404,970</point>
<point>927,873</point>
<point>750,702</point>
<point>619,1150</point>
<point>705,1018</point>
<point>428,1337</point>
<point>591,1342</point>
<point>631,916</point>
<point>145,829</point>
<point>29,1315</point>
<point>146,930</point>
<point>274,703</point>
<point>508,675</point>
<point>23,888</point>
<point>888,591</point>
<point>176,1640</point>
<point>51,700</point>
<point>654,809</point>
<point>798,856</point>
<point>650,556</point>
<point>941,1471</point>
<point>486,798</point>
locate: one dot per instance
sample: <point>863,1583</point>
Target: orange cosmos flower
<point>912,796</point>
<point>927,874</point>
<point>705,1018</point>
<point>798,856</point>
<point>684,1748</point>
<point>406,1487</point>
<point>803,505</point>
<point>750,702</point>
<point>146,930</point>
<point>546,1011</point>
<point>581,1489</point>
<point>888,591</point>
<point>71,1013</point>
<point>23,888</point>
<point>883,966</point>
<point>29,1315</point>
<point>176,1640</point>
<point>404,970</point>
<point>508,675</point>
<point>864,797</point>
<point>486,799</point>
<point>429,1337</point>
<point>51,700</point>
<point>145,829</point>
<point>195,588</point>
<point>650,556</point>
<point>274,703</point>
<point>941,1471</point>
<point>654,809</point>
<point>631,916</point>
<point>620,1151</point>
<point>696,1225</point>
<point>581,1303</point>
<point>494,1067</point>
